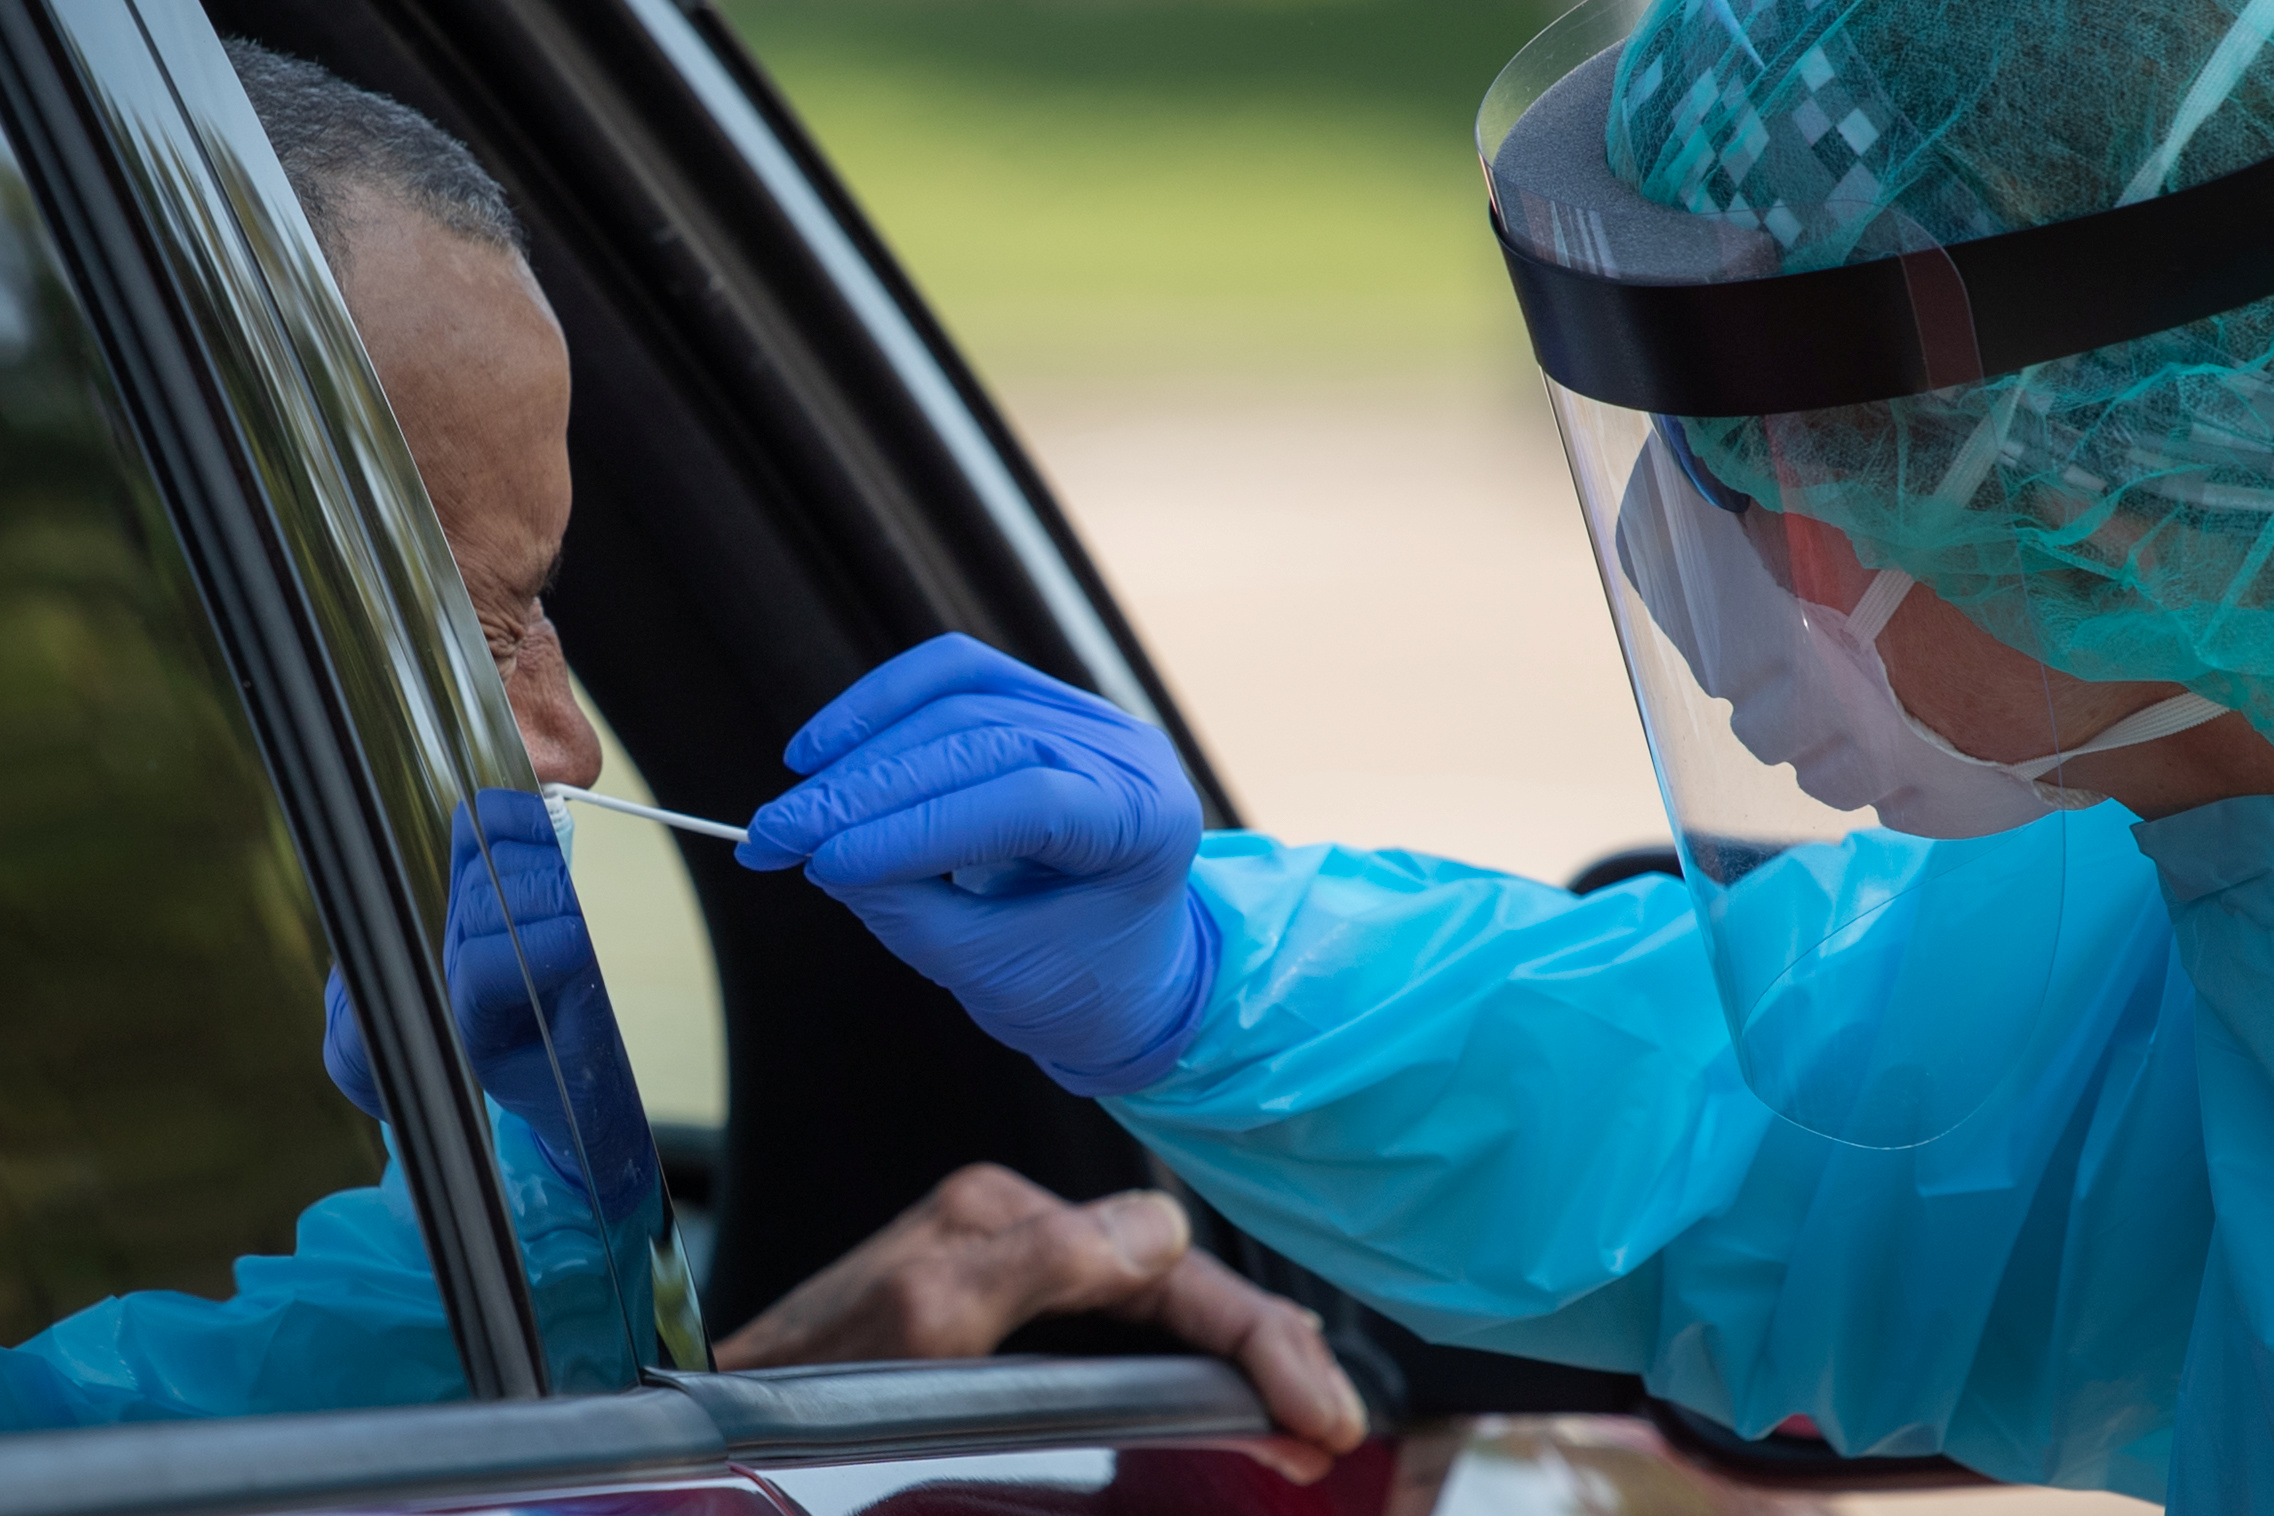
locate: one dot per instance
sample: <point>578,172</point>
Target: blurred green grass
<point>1113,186</point>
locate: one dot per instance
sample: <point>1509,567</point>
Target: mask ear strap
<point>2163,719</point>
<point>1873,611</point>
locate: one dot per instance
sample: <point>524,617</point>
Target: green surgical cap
<point>2111,514</point>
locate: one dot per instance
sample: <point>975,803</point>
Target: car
<point>251,735</point>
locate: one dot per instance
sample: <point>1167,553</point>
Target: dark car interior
<point>762,513</point>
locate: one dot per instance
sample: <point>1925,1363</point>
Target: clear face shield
<point>1881,907</point>
<point>1869,774</point>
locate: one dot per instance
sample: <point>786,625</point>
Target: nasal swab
<point>648,812</point>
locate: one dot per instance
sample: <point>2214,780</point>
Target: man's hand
<point>987,1251</point>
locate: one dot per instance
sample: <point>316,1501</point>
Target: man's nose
<point>563,747</point>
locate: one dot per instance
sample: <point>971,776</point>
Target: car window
<point>203,1214</point>
<point>166,1122</point>
<point>528,1006</point>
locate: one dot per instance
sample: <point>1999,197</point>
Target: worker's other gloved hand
<point>1016,840</point>
<point>489,997</point>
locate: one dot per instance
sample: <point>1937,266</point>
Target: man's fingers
<point>982,1255</point>
<point>1069,1258</point>
<point>536,887</point>
<point>982,1198</point>
<point>1087,1257</point>
<point>1305,1389</point>
<point>952,664</point>
<point>964,1295</point>
<point>1277,1342</point>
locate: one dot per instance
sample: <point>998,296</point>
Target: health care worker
<point>1912,361</point>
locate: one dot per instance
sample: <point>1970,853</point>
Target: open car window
<point>307,1032</point>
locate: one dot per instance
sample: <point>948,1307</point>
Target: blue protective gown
<point>1511,1118</point>
<point>2215,863</point>
<point>350,1319</point>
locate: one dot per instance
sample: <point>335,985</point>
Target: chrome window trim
<point>272,1463</point>
<point>847,1413</point>
<point>686,1427</point>
<point>904,350</point>
<point>132,195</point>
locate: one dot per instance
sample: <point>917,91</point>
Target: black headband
<point>1892,326</point>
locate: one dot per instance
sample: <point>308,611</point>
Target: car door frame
<point>161,262</point>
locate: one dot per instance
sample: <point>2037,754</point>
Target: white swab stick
<point>650,813</point>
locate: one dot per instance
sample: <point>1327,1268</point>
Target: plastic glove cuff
<point>1153,1064</point>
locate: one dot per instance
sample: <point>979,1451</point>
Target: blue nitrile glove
<point>345,1057</point>
<point>489,998</point>
<point>1067,825</point>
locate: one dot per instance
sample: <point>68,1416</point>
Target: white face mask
<point>564,826</point>
<point>1805,682</point>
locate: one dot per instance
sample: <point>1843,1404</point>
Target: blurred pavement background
<point>1227,266</point>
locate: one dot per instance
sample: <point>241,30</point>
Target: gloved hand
<point>1067,928</point>
<point>489,999</point>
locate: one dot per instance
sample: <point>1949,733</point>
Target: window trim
<point>852,1413</point>
<point>298,1462</point>
<point>685,1428</point>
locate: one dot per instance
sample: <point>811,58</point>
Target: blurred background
<point>1226,264</point>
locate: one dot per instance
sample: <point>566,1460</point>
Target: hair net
<point>2111,514</point>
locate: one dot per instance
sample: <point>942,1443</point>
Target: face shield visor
<point>1881,584</point>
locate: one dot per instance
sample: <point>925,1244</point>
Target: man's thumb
<point>1147,1228</point>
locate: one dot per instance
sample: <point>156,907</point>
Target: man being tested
<point>429,258</point>
<point>477,374</point>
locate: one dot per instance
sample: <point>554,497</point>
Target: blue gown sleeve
<point>1511,1119</point>
<point>351,1318</point>
<point>1402,1053</point>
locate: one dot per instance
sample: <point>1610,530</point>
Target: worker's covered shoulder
<point>1257,887</point>
<point>1341,969</point>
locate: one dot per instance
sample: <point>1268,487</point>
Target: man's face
<point>477,373</point>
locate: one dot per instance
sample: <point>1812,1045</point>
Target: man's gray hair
<point>335,139</point>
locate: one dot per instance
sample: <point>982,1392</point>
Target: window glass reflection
<point>193,1220</point>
